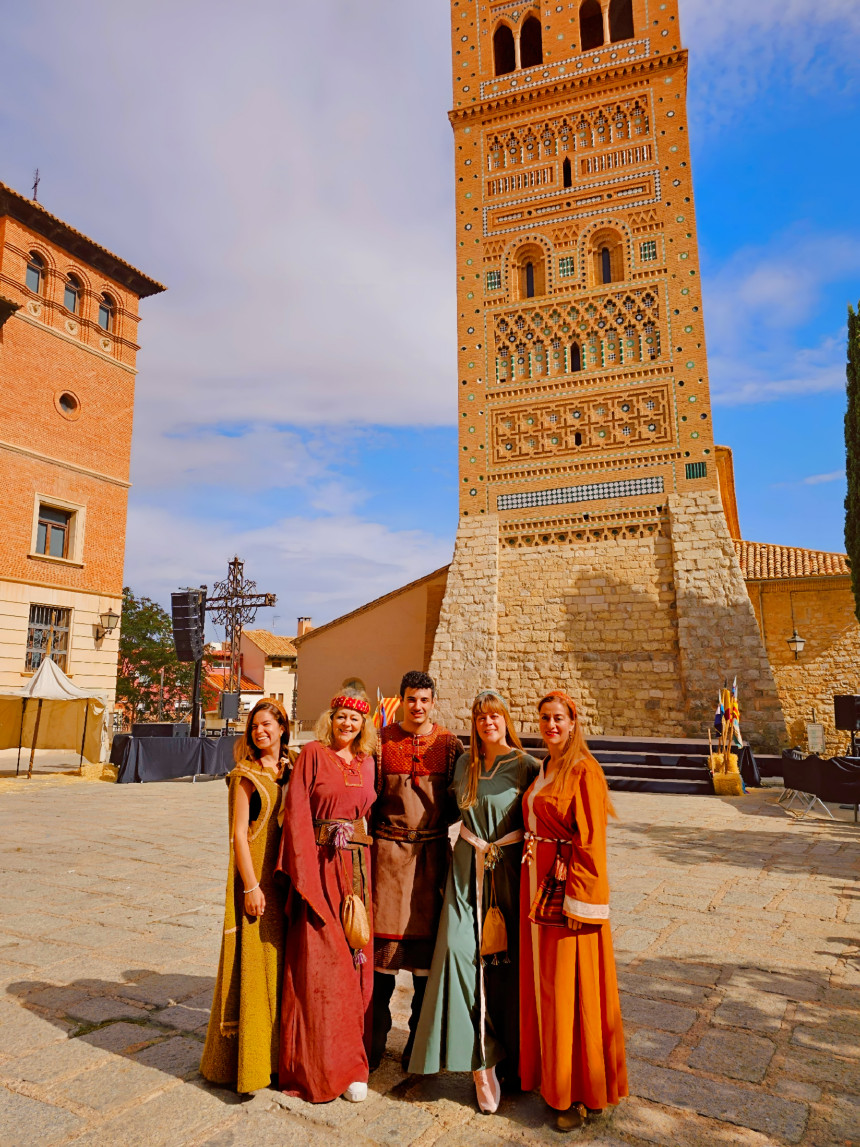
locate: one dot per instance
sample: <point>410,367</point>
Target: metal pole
<point>195,701</point>
<point>161,693</point>
<point>84,737</point>
<point>35,738</point>
<point>21,733</point>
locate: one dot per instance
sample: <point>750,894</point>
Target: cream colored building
<point>271,660</point>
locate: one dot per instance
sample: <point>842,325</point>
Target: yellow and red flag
<point>386,708</point>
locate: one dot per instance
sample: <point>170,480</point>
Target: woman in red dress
<point>571,1037</point>
<point>325,854</point>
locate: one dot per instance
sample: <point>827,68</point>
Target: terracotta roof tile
<point>215,680</point>
<point>270,643</point>
<point>761,560</point>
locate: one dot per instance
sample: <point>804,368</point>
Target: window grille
<point>47,636</point>
<point>566,266</point>
<point>494,280</point>
<point>696,469</point>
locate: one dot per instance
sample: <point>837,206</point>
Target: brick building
<point>598,544</point>
<point>68,343</point>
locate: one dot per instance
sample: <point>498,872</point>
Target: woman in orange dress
<point>571,1037</point>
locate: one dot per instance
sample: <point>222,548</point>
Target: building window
<point>605,265</point>
<point>567,266</point>
<point>530,280</point>
<point>620,20</point>
<point>504,52</point>
<point>531,46</point>
<point>648,250</point>
<point>575,358</point>
<point>35,273</point>
<point>72,294</point>
<point>591,25</point>
<point>566,174</point>
<point>53,532</point>
<point>47,636</point>
<point>494,280</point>
<point>107,310</point>
<point>696,469</point>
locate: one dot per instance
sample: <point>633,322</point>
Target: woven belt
<point>341,833</point>
<point>532,839</point>
<point>409,835</point>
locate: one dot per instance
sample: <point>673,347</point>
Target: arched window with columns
<point>620,20</point>
<point>590,25</point>
<point>531,44</point>
<point>504,51</point>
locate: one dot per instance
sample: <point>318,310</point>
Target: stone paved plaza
<point>738,937</point>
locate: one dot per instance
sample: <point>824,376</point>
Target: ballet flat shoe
<point>488,1090</point>
<point>356,1092</point>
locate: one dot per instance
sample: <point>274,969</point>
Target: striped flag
<point>386,708</point>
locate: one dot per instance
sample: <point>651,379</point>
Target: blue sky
<point>286,170</point>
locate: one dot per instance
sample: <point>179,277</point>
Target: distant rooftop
<point>270,643</point>
<point>34,216</point>
<point>761,561</point>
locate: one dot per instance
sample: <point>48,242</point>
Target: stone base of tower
<point>642,631</point>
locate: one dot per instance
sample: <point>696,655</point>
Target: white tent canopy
<point>50,683</point>
<point>52,712</point>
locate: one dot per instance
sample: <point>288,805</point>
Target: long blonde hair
<point>576,757</point>
<point>488,701</point>
<point>364,742</point>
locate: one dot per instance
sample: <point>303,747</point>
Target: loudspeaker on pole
<point>187,624</point>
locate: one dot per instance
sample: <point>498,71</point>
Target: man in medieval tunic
<point>410,851</point>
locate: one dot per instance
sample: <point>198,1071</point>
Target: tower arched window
<point>620,20</point>
<point>575,358</point>
<point>504,52</point>
<point>72,294</point>
<point>107,312</point>
<point>590,25</point>
<point>605,265</point>
<point>566,174</point>
<point>530,280</point>
<point>35,276</point>
<point>531,44</point>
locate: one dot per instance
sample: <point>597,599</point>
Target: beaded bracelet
<point>248,891</point>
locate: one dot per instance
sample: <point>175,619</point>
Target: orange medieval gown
<point>571,1037</point>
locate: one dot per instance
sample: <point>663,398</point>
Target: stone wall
<point>642,631</point>
<point>464,652</point>
<point>822,609</point>
<point>718,637</point>
<point>599,621</point>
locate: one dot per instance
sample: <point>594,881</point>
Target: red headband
<point>354,703</point>
<point>565,698</point>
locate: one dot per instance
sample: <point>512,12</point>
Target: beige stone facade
<point>642,631</point>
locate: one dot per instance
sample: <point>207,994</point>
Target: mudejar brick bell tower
<point>592,549</point>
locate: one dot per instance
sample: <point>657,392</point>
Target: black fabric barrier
<point>166,758</point>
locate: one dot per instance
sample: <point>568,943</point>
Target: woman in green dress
<point>470,1016</point>
<point>242,1039</point>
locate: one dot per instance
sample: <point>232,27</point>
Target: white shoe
<point>488,1091</point>
<point>356,1092</point>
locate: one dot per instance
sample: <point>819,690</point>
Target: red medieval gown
<point>326,998</point>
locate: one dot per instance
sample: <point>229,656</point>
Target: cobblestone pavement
<point>736,928</point>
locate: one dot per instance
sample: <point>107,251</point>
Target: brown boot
<point>572,1118</point>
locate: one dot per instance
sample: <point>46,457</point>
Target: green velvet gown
<point>449,1030</point>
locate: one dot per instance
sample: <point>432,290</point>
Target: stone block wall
<point>822,609</point>
<point>718,637</point>
<point>464,652</point>
<point>642,631</point>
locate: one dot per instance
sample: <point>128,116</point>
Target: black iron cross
<point>234,606</point>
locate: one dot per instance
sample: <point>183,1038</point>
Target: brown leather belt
<point>325,831</point>
<point>409,835</point>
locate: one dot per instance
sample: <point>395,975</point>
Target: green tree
<point>145,649</point>
<point>852,455</point>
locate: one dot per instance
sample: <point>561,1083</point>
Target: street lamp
<point>108,621</point>
<point>796,643</point>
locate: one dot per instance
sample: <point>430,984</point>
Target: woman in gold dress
<point>242,1039</point>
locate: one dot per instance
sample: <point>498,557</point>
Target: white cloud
<point>817,479</point>
<point>756,305</point>
<point>323,567</point>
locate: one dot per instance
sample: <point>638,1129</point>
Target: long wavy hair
<point>575,758</point>
<point>245,749</point>
<point>487,701</point>
<point>364,742</point>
